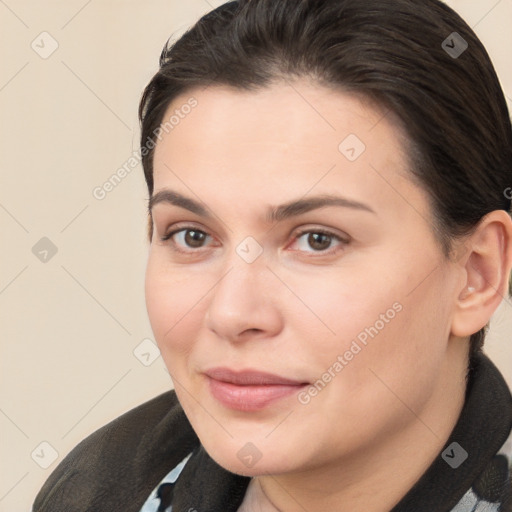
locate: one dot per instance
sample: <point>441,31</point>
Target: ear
<point>486,265</point>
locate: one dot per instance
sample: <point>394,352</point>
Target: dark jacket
<point>118,466</point>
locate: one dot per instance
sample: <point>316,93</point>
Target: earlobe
<point>486,264</point>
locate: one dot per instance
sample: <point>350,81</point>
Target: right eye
<point>186,239</point>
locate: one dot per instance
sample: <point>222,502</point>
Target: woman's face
<point>302,250</point>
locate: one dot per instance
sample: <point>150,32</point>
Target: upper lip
<point>249,377</point>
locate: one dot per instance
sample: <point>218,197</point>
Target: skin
<point>368,436</point>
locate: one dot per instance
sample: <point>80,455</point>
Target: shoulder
<point>117,466</point>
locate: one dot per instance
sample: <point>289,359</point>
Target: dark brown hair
<point>401,54</point>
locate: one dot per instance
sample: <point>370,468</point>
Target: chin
<point>248,460</point>
<point>260,468</point>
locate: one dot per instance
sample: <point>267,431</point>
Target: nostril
<point>252,331</point>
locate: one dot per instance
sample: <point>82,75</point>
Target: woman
<point>329,220</point>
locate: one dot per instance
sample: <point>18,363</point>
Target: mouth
<point>250,390</point>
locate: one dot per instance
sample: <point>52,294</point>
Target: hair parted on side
<point>452,109</point>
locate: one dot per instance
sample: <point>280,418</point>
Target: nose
<point>244,303</point>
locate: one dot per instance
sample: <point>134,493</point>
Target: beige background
<point>68,122</point>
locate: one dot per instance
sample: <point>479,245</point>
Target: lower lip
<point>250,398</point>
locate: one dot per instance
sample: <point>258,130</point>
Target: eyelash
<point>297,236</point>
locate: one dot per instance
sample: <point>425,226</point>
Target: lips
<point>249,390</point>
<point>250,377</point>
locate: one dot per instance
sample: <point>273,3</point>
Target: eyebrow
<point>275,214</point>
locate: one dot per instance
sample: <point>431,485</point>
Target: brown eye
<point>194,238</point>
<point>319,241</point>
<point>187,238</point>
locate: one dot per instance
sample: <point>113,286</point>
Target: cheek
<point>340,307</point>
<point>405,346</point>
<point>377,318</point>
<point>173,302</point>
<point>389,343</point>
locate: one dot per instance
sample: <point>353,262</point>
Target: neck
<point>376,478</point>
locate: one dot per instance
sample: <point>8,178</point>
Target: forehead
<point>299,112</point>
<point>284,139</point>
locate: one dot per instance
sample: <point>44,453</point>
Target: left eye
<point>318,241</point>
<point>190,238</point>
